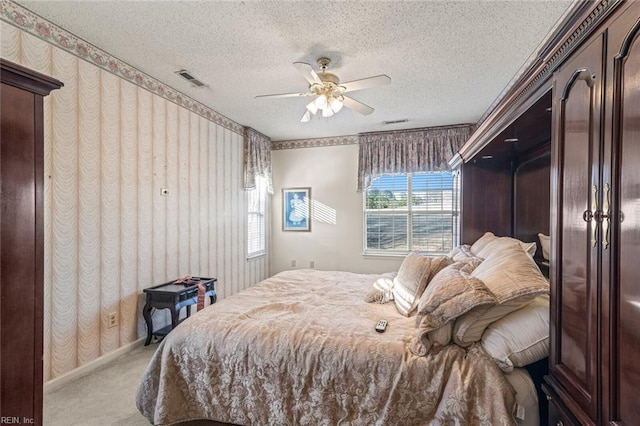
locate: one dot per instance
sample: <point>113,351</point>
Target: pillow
<point>514,279</point>
<point>481,242</point>
<point>488,244</point>
<point>520,338</point>
<point>381,291</point>
<point>413,276</point>
<point>451,293</point>
<point>421,344</point>
<point>462,253</point>
<point>545,242</point>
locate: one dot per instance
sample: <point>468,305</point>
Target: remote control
<point>381,326</point>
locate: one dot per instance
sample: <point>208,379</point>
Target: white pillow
<point>545,241</point>
<point>520,338</point>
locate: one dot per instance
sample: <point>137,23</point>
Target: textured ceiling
<point>448,61</point>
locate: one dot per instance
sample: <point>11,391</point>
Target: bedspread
<point>300,349</point>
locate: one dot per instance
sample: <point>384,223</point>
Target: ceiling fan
<point>329,91</point>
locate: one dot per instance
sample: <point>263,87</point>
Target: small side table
<point>174,297</point>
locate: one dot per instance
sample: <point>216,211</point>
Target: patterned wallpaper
<point>110,146</point>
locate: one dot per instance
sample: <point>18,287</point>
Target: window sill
<point>378,255</point>
<point>256,256</point>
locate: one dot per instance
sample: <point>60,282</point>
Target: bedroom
<point>78,330</point>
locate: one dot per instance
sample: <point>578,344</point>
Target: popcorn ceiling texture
<point>448,61</point>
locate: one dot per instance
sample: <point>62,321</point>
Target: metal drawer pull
<point>594,226</point>
<point>606,216</point>
<point>549,398</point>
<point>559,423</point>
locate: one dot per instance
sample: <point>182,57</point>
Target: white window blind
<point>410,212</point>
<point>256,219</point>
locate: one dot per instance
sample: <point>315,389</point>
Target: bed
<point>300,348</point>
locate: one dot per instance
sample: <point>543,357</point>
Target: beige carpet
<point>104,397</point>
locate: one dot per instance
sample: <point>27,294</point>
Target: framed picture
<point>296,211</point>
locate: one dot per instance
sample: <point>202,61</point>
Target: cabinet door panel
<point>626,321</point>
<point>578,91</point>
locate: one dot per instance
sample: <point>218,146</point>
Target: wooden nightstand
<point>174,297</point>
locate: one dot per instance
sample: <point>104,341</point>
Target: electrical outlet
<point>113,320</point>
<point>293,263</point>
<point>312,264</point>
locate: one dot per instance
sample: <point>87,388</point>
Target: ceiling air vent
<point>190,78</point>
<point>386,123</point>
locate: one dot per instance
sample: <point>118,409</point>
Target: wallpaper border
<point>24,19</point>
<point>315,143</point>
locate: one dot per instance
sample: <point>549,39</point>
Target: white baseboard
<point>89,367</point>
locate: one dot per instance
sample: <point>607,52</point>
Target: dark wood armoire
<point>595,276</point>
<point>586,78</point>
<point>21,241</point>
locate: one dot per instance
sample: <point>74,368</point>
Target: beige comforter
<point>300,349</point>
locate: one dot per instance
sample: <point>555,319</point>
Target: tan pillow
<point>452,293</point>
<point>520,338</point>
<point>514,279</point>
<point>413,276</point>
<point>382,289</point>
<point>421,344</point>
<point>481,242</point>
<point>489,244</point>
<point>545,242</point>
<point>462,253</point>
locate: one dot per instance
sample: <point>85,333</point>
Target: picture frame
<point>296,209</point>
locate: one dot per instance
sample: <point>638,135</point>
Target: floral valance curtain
<point>257,159</point>
<point>409,151</point>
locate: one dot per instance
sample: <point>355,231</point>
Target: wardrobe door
<point>574,276</point>
<point>21,241</point>
<point>624,345</point>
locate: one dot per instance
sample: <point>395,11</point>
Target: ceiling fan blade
<point>365,83</point>
<point>308,72</point>
<point>306,117</point>
<point>357,106</point>
<point>286,95</point>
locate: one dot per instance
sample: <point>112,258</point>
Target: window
<point>256,219</point>
<point>407,212</point>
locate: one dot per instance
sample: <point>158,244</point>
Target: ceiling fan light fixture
<point>312,107</point>
<point>329,92</point>
<point>327,112</point>
<point>335,104</point>
<point>321,102</point>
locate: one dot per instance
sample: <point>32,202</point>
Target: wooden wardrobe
<point>21,242</point>
<point>587,75</point>
<point>594,373</point>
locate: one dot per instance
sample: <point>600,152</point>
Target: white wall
<point>335,241</point>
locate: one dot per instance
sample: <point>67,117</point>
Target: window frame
<point>261,190</point>
<point>454,213</point>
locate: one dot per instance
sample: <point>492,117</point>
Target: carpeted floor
<point>103,398</point>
